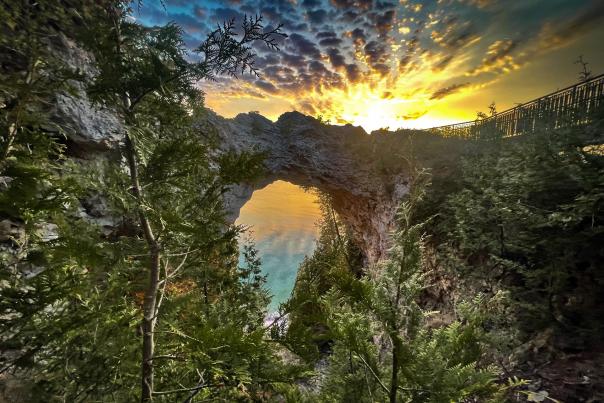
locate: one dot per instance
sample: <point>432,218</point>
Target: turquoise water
<point>282,219</point>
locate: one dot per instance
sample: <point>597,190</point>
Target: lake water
<point>283,218</point>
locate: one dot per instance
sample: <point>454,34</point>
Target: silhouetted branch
<point>223,54</point>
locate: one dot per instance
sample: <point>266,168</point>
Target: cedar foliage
<point>383,345</point>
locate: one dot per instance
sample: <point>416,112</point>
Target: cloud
<point>361,4</point>
<point>307,108</point>
<point>377,56</point>
<point>293,60</point>
<point>226,14</point>
<point>385,5</point>
<point>330,42</point>
<point>268,59</point>
<point>358,36</point>
<point>280,74</point>
<point>498,58</point>
<point>479,3</point>
<point>335,58</point>
<point>326,34</point>
<point>316,67</point>
<point>442,63</point>
<point>200,12</point>
<point>384,22</point>
<point>557,34</point>
<point>412,115</point>
<point>396,50</point>
<point>446,91</point>
<point>304,46</point>
<point>317,16</point>
<point>266,86</point>
<point>455,34</point>
<point>406,61</point>
<point>311,3</point>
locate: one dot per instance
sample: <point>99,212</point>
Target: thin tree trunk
<point>21,101</point>
<point>150,300</point>
<point>395,367</point>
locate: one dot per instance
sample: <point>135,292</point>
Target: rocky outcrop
<point>298,149</point>
<point>301,150</point>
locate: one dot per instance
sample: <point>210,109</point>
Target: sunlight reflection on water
<point>282,217</point>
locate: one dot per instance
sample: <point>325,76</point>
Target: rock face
<point>301,150</point>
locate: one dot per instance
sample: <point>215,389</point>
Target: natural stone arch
<point>303,151</point>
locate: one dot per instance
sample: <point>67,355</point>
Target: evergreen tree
<point>72,294</point>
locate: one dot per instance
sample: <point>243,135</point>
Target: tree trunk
<point>150,300</point>
<point>395,366</point>
<point>149,320</point>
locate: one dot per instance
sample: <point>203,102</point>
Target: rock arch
<point>301,150</point>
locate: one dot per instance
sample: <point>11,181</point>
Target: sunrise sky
<point>404,63</point>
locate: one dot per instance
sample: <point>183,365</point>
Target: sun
<point>374,107</point>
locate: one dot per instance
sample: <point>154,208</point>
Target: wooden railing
<point>571,106</point>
